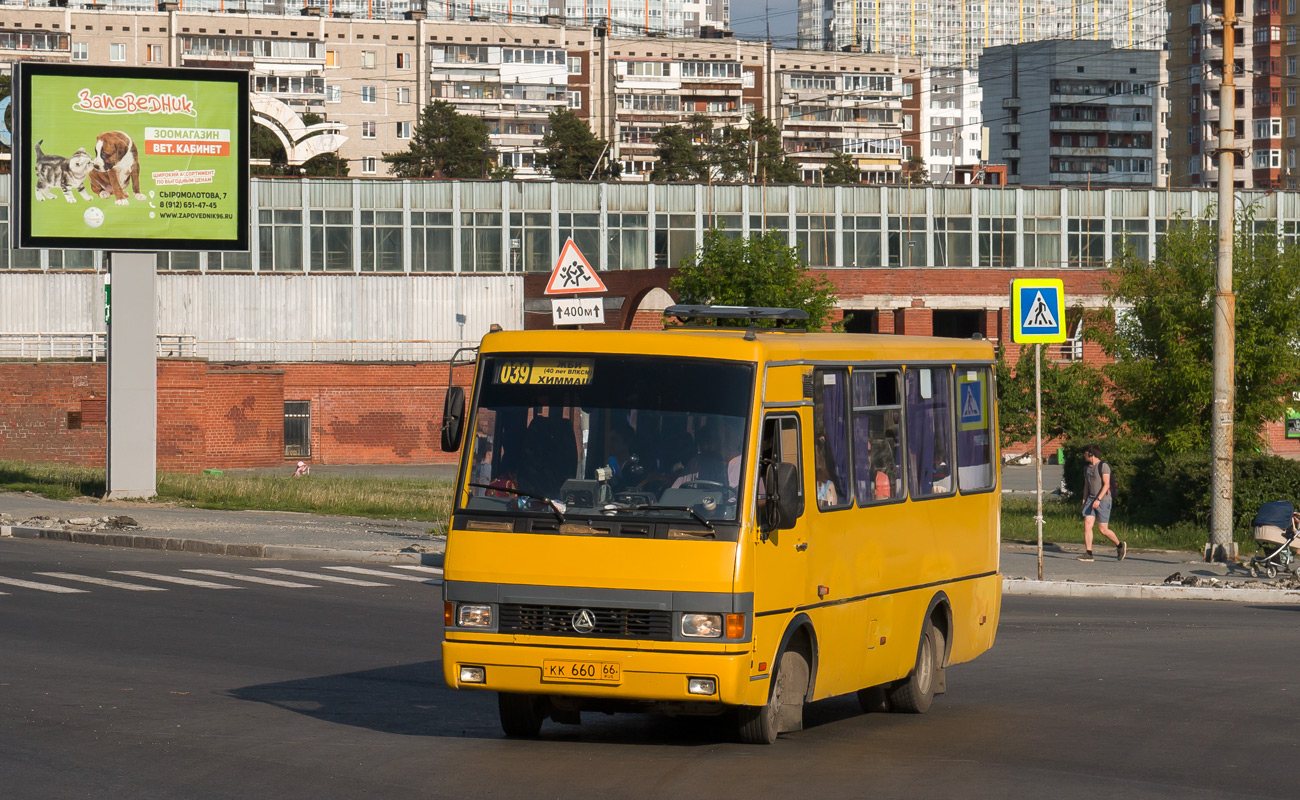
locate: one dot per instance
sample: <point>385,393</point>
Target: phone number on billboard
<point>186,204</point>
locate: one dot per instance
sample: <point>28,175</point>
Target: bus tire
<point>783,711</point>
<point>913,694</point>
<point>521,714</point>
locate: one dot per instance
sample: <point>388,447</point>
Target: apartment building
<point>370,78</point>
<point>1076,113</point>
<point>1266,49</point>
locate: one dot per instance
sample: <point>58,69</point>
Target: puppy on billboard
<point>117,163</point>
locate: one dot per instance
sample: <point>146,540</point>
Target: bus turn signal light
<point>448,613</point>
<point>735,626</point>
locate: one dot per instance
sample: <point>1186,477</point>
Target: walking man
<point>1097,502</point>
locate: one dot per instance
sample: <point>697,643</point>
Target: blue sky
<point>749,22</point>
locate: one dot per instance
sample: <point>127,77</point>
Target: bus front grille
<point>610,623</point>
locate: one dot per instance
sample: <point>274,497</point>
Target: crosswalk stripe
<point>382,574</point>
<point>44,587</point>
<point>174,579</point>
<point>131,587</point>
<point>419,568</point>
<point>216,573</point>
<point>313,576</point>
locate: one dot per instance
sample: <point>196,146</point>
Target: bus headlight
<point>473,616</point>
<point>702,626</point>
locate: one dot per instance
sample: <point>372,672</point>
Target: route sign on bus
<point>573,273</point>
<point>1037,311</point>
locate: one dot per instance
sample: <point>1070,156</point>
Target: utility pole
<point>1221,546</point>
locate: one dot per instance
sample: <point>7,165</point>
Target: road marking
<point>216,573</point>
<point>313,576</point>
<point>131,587</point>
<point>44,587</point>
<point>382,574</point>
<point>419,568</point>
<point>175,579</point>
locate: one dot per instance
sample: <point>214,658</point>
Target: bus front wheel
<point>913,694</point>
<point>783,711</point>
<point>521,714</point>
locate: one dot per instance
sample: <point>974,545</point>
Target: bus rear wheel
<point>913,694</point>
<point>521,714</point>
<point>783,711</point>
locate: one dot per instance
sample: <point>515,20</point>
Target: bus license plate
<point>582,671</point>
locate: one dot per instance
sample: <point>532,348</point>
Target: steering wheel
<point>729,494</point>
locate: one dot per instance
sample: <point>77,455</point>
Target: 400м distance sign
<point>1037,311</point>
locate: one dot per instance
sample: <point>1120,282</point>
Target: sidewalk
<point>286,535</point>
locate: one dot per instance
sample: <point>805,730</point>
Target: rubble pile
<point>120,522</point>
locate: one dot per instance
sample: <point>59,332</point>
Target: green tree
<point>680,155</point>
<point>770,162</point>
<point>445,144</point>
<point>1162,378</point>
<point>1074,406</point>
<point>761,270</point>
<point>573,152</point>
<point>914,171</point>
<point>841,170</point>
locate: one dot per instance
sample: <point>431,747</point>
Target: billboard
<point>130,158</point>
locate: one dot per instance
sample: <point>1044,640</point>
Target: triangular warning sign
<point>1039,314</point>
<point>573,274</point>
<point>970,406</point>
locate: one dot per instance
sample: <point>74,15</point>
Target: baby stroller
<point>1277,526</point>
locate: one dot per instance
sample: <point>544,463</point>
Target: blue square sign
<point>1037,311</point>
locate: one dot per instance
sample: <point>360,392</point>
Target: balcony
<point>1011,127</point>
<point>1011,153</point>
<point>1011,102</point>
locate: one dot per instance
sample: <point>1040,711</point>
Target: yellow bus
<point>707,520</point>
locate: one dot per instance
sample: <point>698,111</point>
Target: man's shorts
<point>1102,513</point>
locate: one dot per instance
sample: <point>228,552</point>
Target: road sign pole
<point>1038,446</point>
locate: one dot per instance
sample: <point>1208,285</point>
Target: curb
<point>1027,587</point>
<point>180,545</point>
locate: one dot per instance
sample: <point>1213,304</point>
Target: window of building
<point>153,53</point>
<point>403,95</point>
<point>575,65</point>
<point>368,94</point>
<point>368,129</point>
<point>332,58</point>
<point>1290,96</point>
<point>297,428</point>
<point>997,241</point>
<point>280,239</point>
<point>332,240</point>
<point>861,241</point>
<point>381,241</point>
<point>367,59</point>
<point>575,99</point>
<point>431,238</point>
<point>334,94</point>
<point>480,241</point>
<point>403,60</point>
<point>403,130</point>
<point>117,52</point>
<point>80,51</point>
<point>877,436</point>
<point>929,431</point>
<point>831,438</point>
<point>974,430</point>
<point>370,165</point>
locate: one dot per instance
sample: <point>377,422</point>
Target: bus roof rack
<point>736,312</point>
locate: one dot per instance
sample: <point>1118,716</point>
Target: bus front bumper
<point>630,675</point>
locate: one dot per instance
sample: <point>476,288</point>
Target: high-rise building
<point>953,33</point>
<point>1267,47</point>
<point>1072,113</point>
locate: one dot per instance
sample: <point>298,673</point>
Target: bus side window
<point>974,429</point>
<point>877,436</point>
<point>781,445</point>
<point>929,431</point>
<point>831,438</point>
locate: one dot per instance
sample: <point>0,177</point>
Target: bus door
<point>781,556</point>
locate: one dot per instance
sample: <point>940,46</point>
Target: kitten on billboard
<point>160,156</point>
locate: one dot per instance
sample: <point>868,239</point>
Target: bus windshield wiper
<point>687,509</point>
<point>556,506</point>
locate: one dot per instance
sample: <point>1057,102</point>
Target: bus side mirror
<point>784,501</point>
<point>453,419</point>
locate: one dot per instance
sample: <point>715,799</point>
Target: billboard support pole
<point>133,376</point>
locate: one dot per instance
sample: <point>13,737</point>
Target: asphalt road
<point>334,690</point>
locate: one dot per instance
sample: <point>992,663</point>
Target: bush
<point>1171,489</point>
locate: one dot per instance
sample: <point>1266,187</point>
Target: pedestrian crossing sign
<point>971,401</point>
<point>1037,311</point>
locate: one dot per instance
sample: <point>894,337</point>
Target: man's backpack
<point>1114,482</point>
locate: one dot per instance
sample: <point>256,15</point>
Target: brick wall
<point>37,403</point>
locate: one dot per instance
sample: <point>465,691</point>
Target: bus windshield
<point>609,435</point>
